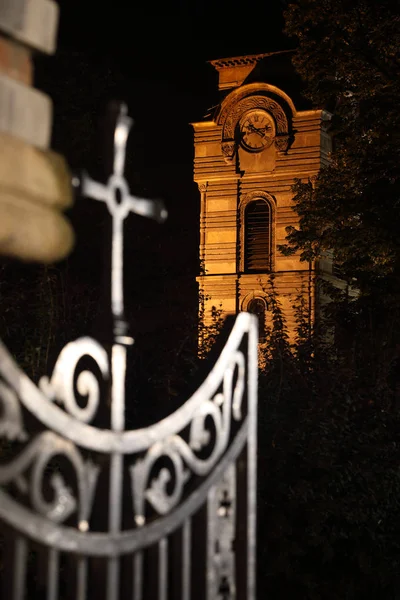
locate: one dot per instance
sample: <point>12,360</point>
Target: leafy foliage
<point>208,329</point>
<point>329,420</point>
<point>329,484</point>
<point>348,57</point>
<point>43,308</point>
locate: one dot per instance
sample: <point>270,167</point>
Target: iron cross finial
<point>120,203</point>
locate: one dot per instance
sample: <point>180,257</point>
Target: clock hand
<point>253,129</point>
<point>262,131</point>
<point>266,129</point>
<point>257,130</point>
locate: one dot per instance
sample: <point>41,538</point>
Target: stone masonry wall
<point>34,182</point>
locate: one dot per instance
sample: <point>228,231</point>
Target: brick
<point>33,22</point>
<point>25,113</point>
<point>15,61</point>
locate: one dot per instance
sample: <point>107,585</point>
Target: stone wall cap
<point>32,22</point>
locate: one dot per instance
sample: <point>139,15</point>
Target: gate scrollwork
<point>66,483</point>
<point>183,460</point>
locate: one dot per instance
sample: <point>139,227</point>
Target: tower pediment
<point>233,71</point>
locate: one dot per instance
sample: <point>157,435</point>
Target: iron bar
<point>20,558</point>
<point>117,298</point>
<point>118,369</point>
<point>186,558</point>
<point>138,575</point>
<point>163,569</point>
<point>211,583</point>
<point>252,350</point>
<point>81,578</point>
<point>52,574</point>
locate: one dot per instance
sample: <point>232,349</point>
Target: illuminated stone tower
<point>248,153</point>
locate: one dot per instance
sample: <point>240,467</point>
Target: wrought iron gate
<point>166,512</point>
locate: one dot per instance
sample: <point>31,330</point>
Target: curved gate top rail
<point>164,512</point>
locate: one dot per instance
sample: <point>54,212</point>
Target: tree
<point>329,485</point>
<point>329,512</point>
<point>348,58</point>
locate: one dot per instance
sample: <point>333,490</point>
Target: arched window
<point>257,236</point>
<point>258,307</point>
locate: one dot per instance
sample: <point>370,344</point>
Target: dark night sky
<point>171,41</point>
<point>158,52</point>
<point>155,59</point>
<point>160,49</point>
<point>148,33</point>
<point>153,56</point>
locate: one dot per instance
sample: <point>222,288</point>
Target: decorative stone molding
<point>282,143</point>
<point>245,99</point>
<point>228,148</point>
<point>258,101</point>
<point>202,187</point>
<point>255,295</point>
<point>244,201</point>
<point>254,89</point>
<point>238,61</point>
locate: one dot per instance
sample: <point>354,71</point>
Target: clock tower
<point>248,152</point>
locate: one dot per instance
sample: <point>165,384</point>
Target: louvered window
<point>258,308</point>
<point>257,237</point>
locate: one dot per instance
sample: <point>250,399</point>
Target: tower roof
<point>235,69</point>
<point>237,61</point>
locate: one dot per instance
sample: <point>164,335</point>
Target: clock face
<point>256,130</point>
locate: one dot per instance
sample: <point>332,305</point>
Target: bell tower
<point>247,155</point>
